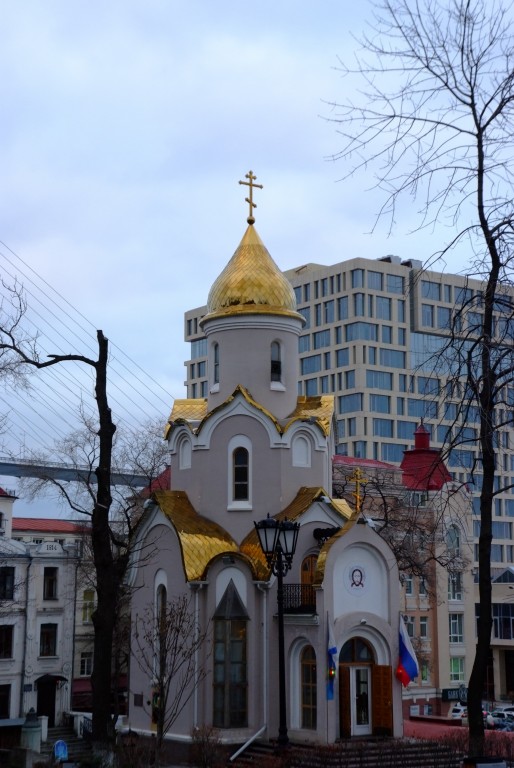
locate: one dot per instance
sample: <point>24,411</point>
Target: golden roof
<point>302,501</point>
<point>318,410</point>
<point>200,539</point>
<point>251,283</point>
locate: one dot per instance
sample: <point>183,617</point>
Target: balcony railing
<point>299,598</point>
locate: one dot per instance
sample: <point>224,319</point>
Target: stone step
<point>356,754</point>
<point>78,748</point>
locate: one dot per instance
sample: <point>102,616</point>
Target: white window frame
<point>238,505</point>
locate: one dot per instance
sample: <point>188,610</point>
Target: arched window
<point>453,540</point>
<point>184,453</point>
<point>241,474</point>
<point>355,651</point>
<point>216,364</point>
<point>308,687</point>
<point>276,363</point>
<point>301,449</point>
<point>230,694</point>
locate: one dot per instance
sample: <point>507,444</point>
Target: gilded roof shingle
<point>251,283</point>
<point>200,539</point>
<point>194,412</point>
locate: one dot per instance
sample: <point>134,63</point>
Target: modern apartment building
<point>372,334</point>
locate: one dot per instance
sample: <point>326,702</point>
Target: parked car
<point>459,710</point>
<point>503,720</point>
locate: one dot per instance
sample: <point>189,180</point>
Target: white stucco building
<point>37,616</point>
<point>251,448</point>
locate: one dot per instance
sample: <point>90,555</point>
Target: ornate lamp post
<point>278,542</point>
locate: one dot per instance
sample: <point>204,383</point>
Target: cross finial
<point>359,479</point>
<point>251,183</point>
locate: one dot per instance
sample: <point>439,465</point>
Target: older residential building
<point>38,580</point>
<point>30,531</point>
<point>373,334</point>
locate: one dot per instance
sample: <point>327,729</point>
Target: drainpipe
<point>264,586</point>
<point>196,586</point>
<point>22,681</point>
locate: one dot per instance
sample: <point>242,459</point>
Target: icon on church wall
<point>355,579</point>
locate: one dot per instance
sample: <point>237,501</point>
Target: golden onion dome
<point>251,283</point>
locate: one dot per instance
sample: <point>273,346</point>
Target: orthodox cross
<point>251,183</point>
<point>359,479</point>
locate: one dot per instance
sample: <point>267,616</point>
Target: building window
<point>230,693</point>
<point>409,625</point>
<point>453,540</point>
<point>5,701</point>
<point>6,638</point>
<point>276,363</point>
<point>379,380</point>
<point>240,474</point>
<point>6,583</point>
<point>431,290</point>
<point>457,669</point>
<point>216,364</point>
<point>374,280</point>
<point>380,403</point>
<point>383,308</point>
<point>394,283</point>
<point>456,626</point>
<point>48,640</point>
<point>88,605</point>
<point>383,428</point>
<point>357,278</point>
<point>50,584</point>
<point>408,583</point>
<point>455,586</point>
<point>423,627</point>
<point>86,663</point>
<point>309,687</point>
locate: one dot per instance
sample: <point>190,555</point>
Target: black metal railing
<point>299,598</point>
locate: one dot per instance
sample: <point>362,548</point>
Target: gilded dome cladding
<point>251,283</point>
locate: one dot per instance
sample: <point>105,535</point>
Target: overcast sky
<point>125,128</point>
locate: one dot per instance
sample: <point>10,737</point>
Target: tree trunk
<point>107,581</point>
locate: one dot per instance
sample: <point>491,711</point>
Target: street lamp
<point>278,542</point>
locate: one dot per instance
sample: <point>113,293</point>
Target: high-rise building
<point>373,337</point>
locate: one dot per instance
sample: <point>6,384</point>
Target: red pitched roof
<point>356,462</point>
<point>47,525</point>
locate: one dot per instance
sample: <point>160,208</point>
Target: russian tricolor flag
<point>407,668</point>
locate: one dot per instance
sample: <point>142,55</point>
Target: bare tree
<point>110,554</point>
<point>414,523</point>
<point>435,122</point>
<point>167,640</point>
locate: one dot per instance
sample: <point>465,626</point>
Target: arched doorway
<point>365,691</point>
<point>308,596</point>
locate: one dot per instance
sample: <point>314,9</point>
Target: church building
<point>254,450</point>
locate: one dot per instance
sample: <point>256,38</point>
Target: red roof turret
<point>423,467</point>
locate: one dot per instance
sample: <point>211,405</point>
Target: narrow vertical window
<point>216,361</point>
<point>230,679</point>
<point>50,584</point>
<point>240,474</point>
<point>88,606</point>
<point>309,687</point>
<point>276,363</point>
